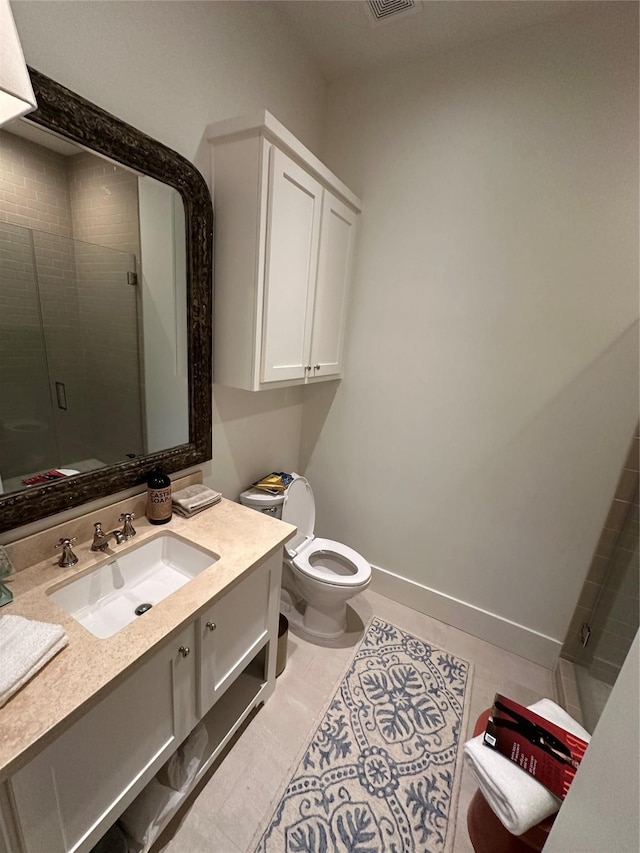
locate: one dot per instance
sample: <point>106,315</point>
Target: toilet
<point>319,574</point>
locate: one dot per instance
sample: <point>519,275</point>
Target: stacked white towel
<point>516,797</point>
<point>25,647</point>
<point>145,818</point>
<point>193,499</point>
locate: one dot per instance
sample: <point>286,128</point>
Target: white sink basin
<point>106,599</point>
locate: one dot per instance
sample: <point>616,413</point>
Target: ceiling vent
<point>382,10</point>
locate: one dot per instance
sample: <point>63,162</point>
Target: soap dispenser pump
<point>158,497</point>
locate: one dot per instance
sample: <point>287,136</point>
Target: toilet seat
<point>305,551</point>
<point>360,570</point>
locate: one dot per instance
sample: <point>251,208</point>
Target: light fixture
<point>16,93</point>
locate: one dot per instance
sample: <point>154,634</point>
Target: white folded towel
<point>147,815</point>
<point>181,769</point>
<point>25,647</point>
<point>194,499</point>
<point>516,797</point>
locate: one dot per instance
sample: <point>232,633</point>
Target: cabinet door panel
<point>78,785</point>
<point>337,235</point>
<point>8,834</point>
<point>241,620</point>
<point>293,228</point>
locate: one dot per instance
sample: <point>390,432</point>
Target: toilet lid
<point>299,508</point>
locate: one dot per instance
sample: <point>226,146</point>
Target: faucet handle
<point>128,530</point>
<point>67,558</point>
<point>100,538</point>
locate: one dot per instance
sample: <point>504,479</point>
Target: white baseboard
<point>467,617</point>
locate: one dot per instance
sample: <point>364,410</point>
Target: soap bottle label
<point>159,505</point>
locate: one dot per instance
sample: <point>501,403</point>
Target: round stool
<point>487,832</point>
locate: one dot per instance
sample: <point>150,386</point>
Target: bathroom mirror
<point>113,312</point>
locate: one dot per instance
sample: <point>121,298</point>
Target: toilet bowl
<point>322,573</point>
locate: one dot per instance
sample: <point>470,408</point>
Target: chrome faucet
<point>101,539</point>
<point>128,530</point>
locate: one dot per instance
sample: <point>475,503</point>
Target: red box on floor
<point>547,752</point>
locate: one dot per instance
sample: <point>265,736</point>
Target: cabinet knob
<point>185,651</point>
<point>211,626</point>
<point>307,367</point>
<point>316,367</point>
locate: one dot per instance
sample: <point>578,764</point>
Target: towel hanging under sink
<point>25,647</point>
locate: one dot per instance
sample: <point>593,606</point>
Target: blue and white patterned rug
<point>379,772</point>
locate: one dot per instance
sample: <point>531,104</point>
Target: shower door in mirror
<point>70,390</point>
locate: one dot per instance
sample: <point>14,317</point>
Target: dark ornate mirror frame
<point>80,121</point>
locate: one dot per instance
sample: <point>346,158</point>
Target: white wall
<point>601,809</point>
<point>490,389</point>
<point>491,372</point>
<point>169,69</point>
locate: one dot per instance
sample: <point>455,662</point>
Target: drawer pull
<point>211,626</point>
<point>185,651</point>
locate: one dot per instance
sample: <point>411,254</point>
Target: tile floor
<point>225,811</point>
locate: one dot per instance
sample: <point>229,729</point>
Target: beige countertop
<point>89,667</point>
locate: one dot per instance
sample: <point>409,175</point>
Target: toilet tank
<point>263,502</point>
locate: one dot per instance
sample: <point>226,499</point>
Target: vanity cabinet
<point>216,669</point>
<point>285,232</point>
<point>65,798</point>
<point>8,837</point>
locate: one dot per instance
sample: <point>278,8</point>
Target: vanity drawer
<point>76,787</point>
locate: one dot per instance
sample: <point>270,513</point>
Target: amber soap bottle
<point>158,497</point>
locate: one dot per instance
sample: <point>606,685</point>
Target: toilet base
<point>316,609</point>
<point>327,624</point>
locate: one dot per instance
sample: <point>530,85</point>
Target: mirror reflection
<point>93,302</point>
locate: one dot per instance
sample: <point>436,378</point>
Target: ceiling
<point>343,36</point>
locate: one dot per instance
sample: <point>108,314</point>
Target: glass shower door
<point>92,336</point>
<point>28,440</point>
<point>613,623</point>
<point>71,390</point>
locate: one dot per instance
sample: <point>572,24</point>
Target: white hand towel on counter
<point>194,499</point>
<point>25,647</point>
<point>516,797</point>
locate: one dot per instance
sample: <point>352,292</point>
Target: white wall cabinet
<point>291,262</point>
<point>285,233</point>
<point>67,797</point>
<point>335,262</point>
